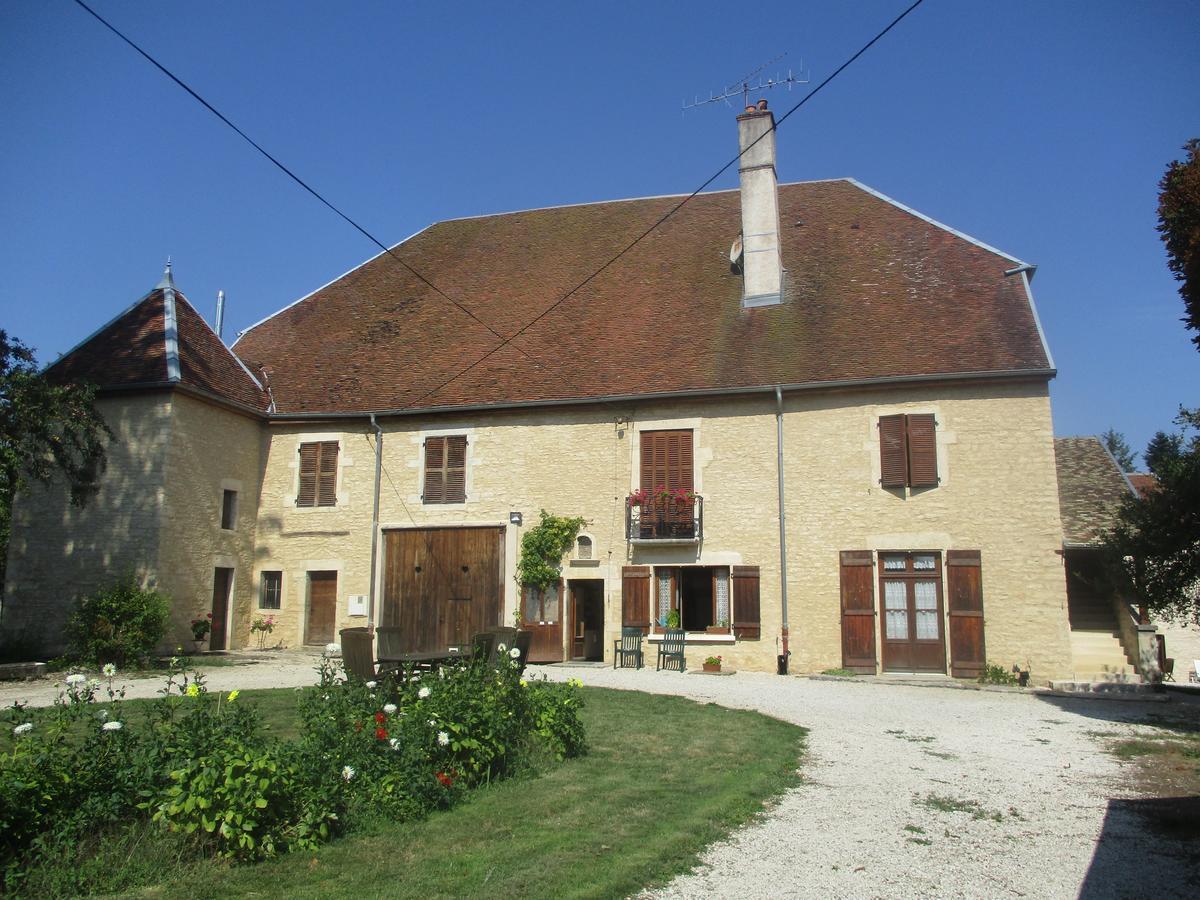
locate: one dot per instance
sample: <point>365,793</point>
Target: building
<point>804,396</point>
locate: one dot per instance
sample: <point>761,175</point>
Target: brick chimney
<point>762,271</point>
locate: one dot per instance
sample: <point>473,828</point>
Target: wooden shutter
<point>922,450</point>
<point>893,463</point>
<point>307,495</point>
<point>445,469</point>
<point>858,612</point>
<point>964,577</point>
<point>667,460</point>
<point>635,597</point>
<point>327,473</point>
<point>746,620</point>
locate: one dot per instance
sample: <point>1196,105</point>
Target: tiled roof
<point>132,351</point>
<point>872,291</point>
<point>1090,488</point>
<point>1143,482</point>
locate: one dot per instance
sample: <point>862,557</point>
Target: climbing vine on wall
<point>542,549</point>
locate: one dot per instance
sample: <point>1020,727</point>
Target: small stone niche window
<point>583,547</point>
<point>228,509</point>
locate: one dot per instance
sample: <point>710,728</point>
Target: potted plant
<point>712,664</point>
<point>722,627</point>
<point>262,626</point>
<point>673,619</point>
<point>200,629</point>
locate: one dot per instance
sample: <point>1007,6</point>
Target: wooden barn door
<point>322,607</point>
<point>964,590</point>
<point>858,611</point>
<point>442,585</point>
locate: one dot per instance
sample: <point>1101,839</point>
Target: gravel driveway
<point>909,791</point>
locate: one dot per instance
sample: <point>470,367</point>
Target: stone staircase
<point>1095,643</point>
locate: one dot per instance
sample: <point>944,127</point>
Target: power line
<point>637,240</point>
<point>289,173</point>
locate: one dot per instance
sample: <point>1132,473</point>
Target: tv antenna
<point>744,86</point>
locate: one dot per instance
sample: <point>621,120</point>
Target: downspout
<point>783,578</point>
<point>375,522</point>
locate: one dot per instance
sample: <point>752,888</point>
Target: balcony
<point>673,520</point>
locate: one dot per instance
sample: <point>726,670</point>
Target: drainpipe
<point>783,580</point>
<point>375,522</point>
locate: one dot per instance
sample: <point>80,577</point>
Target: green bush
<point>994,674</point>
<point>119,624</point>
<point>554,709</point>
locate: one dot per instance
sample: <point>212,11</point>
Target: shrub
<point>119,624</point>
<point>554,708</point>
<point>994,674</point>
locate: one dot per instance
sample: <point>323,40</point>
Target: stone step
<point>1110,690</point>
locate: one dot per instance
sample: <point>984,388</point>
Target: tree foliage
<point>1156,540</point>
<point>542,549</point>
<point>1179,225</point>
<point>1120,449</point>
<point>46,429</point>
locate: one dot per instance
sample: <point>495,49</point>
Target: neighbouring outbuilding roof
<point>872,291</point>
<point>1143,482</point>
<point>160,341</point>
<point>1091,487</point>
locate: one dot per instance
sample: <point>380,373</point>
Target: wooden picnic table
<point>423,660</point>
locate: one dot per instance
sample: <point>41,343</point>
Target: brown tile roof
<point>131,351</point>
<point>872,291</point>
<point>1143,482</point>
<point>1090,488</point>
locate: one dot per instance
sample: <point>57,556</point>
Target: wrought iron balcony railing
<point>671,519</point>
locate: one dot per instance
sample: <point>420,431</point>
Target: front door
<point>222,584</point>
<point>910,585</point>
<point>541,613</point>
<point>587,620</point>
<point>322,607</point>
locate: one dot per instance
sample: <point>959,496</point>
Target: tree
<point>46,430</point>
<point>1179,225</point>
<point>1119,448</point>
<point>1163,450</point>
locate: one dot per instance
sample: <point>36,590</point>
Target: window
<point>445,469</point>
<point>910,585</point>
<point>583,547</point>
<point>908,450</point>
<point>700,595</point>
<point>666,504</point>
<point>228,509</point>
<point>540,607</point>
<point>272,590</point>
<point>318,474</point>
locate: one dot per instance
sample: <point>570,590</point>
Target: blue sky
<point>1041,128</point>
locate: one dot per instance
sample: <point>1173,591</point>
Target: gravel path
<point>887,765</point>
<point>909,791</point>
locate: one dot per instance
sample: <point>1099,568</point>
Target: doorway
<point>222,587</point>
<point>910,585</point>
<point>322,607</point>
<point>587,619</point>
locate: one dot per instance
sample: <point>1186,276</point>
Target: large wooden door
<point>322,608</point>
<point>910,592</point>
<point>542,613</point>
<point>858,611</point>
<point>964,589</point>
<point>222,584</point>
<point>442,585</point>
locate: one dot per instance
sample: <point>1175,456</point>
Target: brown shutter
<point>746,621</point>
<point>893,469</point>
<point>456,469</point>
<point>635,597</point>
<point>327,473</point>
<point>667,460</point>
<point>858,612</point>
<point>435,468</point>
<point>965,589</point>
<point>922,450</point>
<point>309,455</point>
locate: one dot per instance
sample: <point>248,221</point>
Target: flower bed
<point>200,764</point>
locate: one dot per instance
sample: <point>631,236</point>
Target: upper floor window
<point>318,474</point>
<point>445,469</point>
<point>908,450</point>
<point>228,509</point>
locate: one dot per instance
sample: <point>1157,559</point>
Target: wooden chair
<point>628,647</point>
<point>1166,665</point>
<point>358,653</point>
<point>483,646</point>
<point>391,642</point>
<point>522,642</point>
<point>504,635</point>
<point>1194,675</point>
<point>670,650</point>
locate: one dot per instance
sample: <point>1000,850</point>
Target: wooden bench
<point>670,650</point>
<point>628,648</point>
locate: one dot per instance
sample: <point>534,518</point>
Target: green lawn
<point>665,777</point>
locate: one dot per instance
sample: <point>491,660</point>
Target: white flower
<point>500,648</point>
<point>514,653</point>
<point>395,743</point>
<point>389,708</point>
<point>24,728</point>
<point>109,670</point>
<point>76,679</point>
<point>432,723</point>
<point>111,726</point>
<point>423,693</point>
<point>443,738</point>
<point>102,715</point>
<point>370,685</point>
<point>347,772</point>
<point>333,649</point>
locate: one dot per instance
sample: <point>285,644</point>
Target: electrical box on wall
<point>357,604</point>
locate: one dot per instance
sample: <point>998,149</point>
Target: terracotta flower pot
<point>712,667</point>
